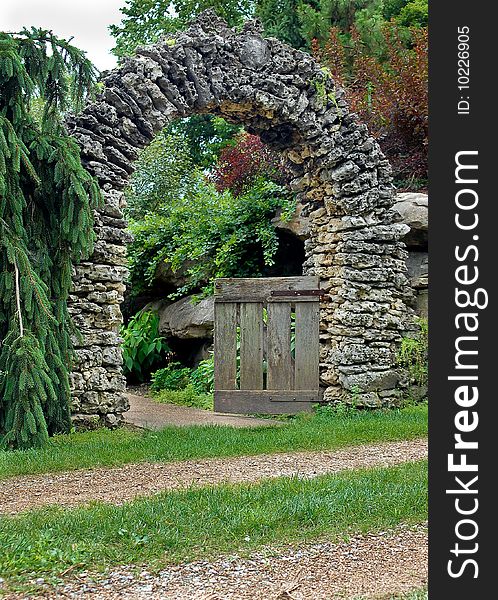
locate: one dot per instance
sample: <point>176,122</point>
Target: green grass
<point>185,397</point>
<point>415,595</point>
<point>173,527</point>
<point>325,430</point>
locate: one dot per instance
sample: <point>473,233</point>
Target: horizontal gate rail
<point>259,289</point>
<point>263,402</point>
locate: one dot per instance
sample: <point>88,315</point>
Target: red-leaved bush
<point>240,164</point>
<point>391,97</point>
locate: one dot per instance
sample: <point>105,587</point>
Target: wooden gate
<point>266,345</point>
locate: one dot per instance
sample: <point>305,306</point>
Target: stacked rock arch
<point>337,171</point>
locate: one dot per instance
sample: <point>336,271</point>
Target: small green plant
<point>186,397</point>
<point>172,377</point>
<point>413,355</point>
<point>202,378</point>
<point>329,411</point>
<point>355,396</point>
<point>143,347</point>
<point>319,83</point>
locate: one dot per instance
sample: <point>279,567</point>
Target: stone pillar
<point>98,383</point>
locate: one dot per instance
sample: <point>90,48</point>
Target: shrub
<point>143,347</point>
<point>391,96</point>
<point>187,387</point>
<point>240,164</point>
<point>202,378</point>
<point>173,377</point>
<point>209,234</point>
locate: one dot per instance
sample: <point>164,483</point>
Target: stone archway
<point>338,172</point>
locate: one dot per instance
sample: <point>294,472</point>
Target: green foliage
<point>204,137</point>
<point>413,354</point>
<point>172,377</point>
<point>178,217</point>
<point>164,172</point>
<point>281,19</point>
<point>216,234</point>
<point>392,8</point>
<point>316,18</point>
<point>414,14</point>
<point>143,347</point>
<point>26,390</point>
<point>145,21</point>
<point>202,378</point>
<point>300,22</point>
<point>186,397</point>
<point>188,387</point>
<point>170,166</point>
<point>296,22</point>
<point>46,225</point>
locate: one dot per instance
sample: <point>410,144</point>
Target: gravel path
<point>118,485</point>
<point>370,566</point>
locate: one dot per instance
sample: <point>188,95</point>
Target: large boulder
<point>418,269</point>
<point>412,208</point>
<point>298,225</point>
<point>169,279</point>
<point>185,319</point>
<point>418,272</point>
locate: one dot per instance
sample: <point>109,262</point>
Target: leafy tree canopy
<point>146,21</point>
<point>206,136</point>
<point>368,17</point>
<point>46,224</point>
<point>296,22</point>
<point>281,19</point>
<point>179,217</point>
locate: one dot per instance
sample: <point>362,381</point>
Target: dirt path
<point>367,567</point>
<point>118,485</point>
<point>148,414</point>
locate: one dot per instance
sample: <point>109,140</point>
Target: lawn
<point>325,430</point>
<point>173,527</point>
<point>415,595</point>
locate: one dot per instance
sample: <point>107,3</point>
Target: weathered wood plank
<point>280,364</point>
<point>258,298</point>
<point>248,402</point>
<point>251,346</point>
<point>307,349</point>
<point>293,299</point>
<point>261,287</point>
<point>225,346</point>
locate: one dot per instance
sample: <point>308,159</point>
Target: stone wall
<point>337,171</point>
